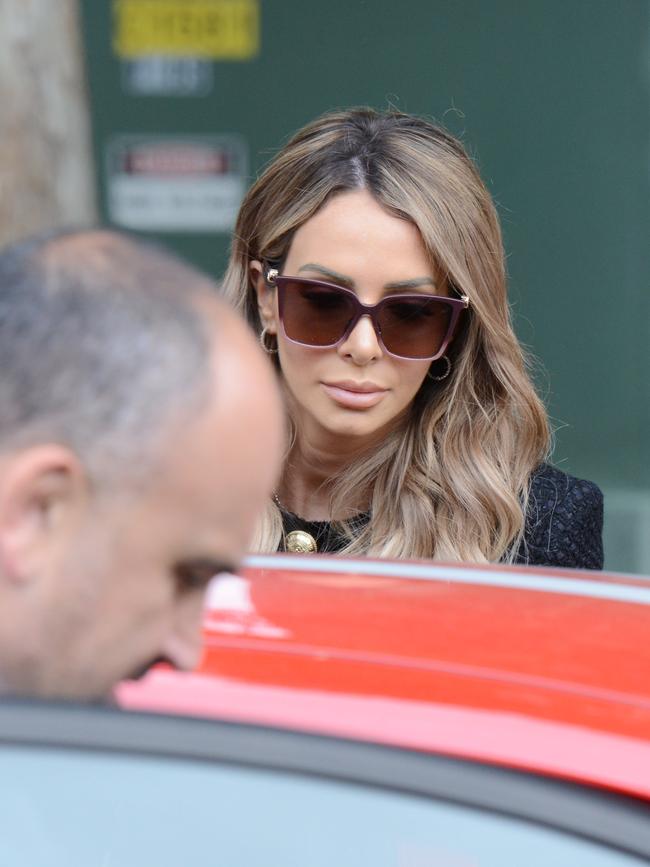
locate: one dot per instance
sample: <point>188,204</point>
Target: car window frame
<point>615,820</point>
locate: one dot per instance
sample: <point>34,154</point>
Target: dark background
<point>552,98</point>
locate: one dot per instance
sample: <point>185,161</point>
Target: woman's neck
<point>306,485</point>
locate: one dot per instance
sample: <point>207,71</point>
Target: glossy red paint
<point>543,670</point>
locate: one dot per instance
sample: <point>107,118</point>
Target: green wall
<point>553,99</point>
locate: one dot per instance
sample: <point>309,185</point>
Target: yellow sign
<point>207,29</point>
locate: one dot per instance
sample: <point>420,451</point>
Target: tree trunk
<point>46,172</point>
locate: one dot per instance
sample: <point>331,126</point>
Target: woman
<point>368,257</point>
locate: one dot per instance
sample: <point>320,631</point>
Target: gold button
<point>301,542</point>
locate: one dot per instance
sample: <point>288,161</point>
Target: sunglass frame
<point>273,278</point>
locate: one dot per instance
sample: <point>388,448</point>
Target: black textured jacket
<point>564,523</point>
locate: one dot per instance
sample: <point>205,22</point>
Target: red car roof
<point>539,669</point>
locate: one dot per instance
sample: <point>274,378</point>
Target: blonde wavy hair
<point>452,482</point>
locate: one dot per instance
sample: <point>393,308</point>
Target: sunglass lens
<point>414,327</point>
<point>314,314</point>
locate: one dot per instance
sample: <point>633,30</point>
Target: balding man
<point>140,435</point>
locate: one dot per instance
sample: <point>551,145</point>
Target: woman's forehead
<point>352,233</point>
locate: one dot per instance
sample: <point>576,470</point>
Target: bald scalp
<point>111,257</point>
<point>104,347</point>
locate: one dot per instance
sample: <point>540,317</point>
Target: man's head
<point>140,433</point>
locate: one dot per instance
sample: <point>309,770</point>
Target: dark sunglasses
<point>315,313</point>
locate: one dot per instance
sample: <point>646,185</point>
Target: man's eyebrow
<point>204,568</point>
<point>334,276</point>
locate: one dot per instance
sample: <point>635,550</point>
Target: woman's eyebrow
<point>334,276</point>
<point>411,284</point>
<point>341,279</point>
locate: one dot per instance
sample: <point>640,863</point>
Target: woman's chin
<point>360,430</point>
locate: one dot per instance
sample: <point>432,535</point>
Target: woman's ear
<point>267,304</point>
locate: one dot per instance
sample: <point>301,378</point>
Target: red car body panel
<point>542,670</point>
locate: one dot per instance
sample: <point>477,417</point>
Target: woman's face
<point>356,389</point>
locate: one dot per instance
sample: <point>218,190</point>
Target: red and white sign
<point>176,184</point>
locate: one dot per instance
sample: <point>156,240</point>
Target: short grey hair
<point>101,344</point>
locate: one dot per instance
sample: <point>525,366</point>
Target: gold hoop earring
<point>270,349</point>
<point>444,358</point>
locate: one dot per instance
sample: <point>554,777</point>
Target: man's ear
<point>41,491</point>
<point>267,304</point>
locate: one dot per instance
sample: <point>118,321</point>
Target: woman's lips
<point>354,396</point>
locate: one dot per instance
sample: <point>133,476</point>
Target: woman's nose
<point>362,344</point>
